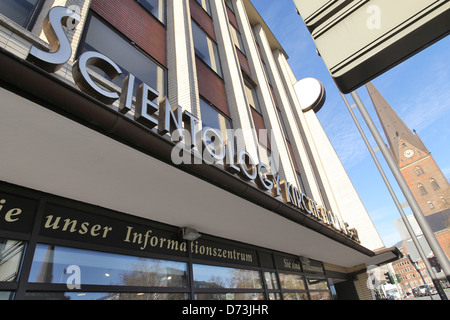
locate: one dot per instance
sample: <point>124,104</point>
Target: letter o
<point>247,165</point>
<point>218,144</point>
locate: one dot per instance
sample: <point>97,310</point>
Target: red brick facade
<point>135,23</point>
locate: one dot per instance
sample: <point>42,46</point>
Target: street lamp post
<point>418,214</point>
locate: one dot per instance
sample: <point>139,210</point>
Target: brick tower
<point>421,172</point>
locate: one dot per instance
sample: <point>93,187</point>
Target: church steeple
<point>399,136</point>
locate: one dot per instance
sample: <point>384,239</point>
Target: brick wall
<point>135,23</point>
<point>211,86</point>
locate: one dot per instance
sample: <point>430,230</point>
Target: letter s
<point>62,50</point>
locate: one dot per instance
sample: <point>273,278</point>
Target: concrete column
<point>278,144</point>
<point>234,84</point>
<point>182,73</point>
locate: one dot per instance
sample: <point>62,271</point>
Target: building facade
<point>428,184</point>
<point>157,150</point>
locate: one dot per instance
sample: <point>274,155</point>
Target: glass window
<point>295,296</point>
<point>317,284</point>
<point>229,296</point>
<point>214,119</point>
<point>434,184</point>
<point>205,5</point>
<point>206,49</point>
<point>252,97</point>
<point>237,38</point>
<point>229,3</point>
<point>419,171</point>
<point>6,295</point>
<point>19,11</point>
<point>102,38</point>
<point>104,296</point>
<point>11,252</point>
<point>156,8</point>
<point>292,281</point>
<point>221,277</point>
<point>60,265</point>
<point>271,280</point>
<point>324,295</point>
<point>422,189</point>
<point>274,296</point>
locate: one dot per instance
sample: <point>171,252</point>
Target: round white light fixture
<point>310,93</point>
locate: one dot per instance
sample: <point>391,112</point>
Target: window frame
<point>164,14</point>
<point>215,50</point>
<point>266,259</point>
<point>31,19</point>
<point>82,43</point>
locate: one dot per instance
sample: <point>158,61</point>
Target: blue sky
<point>418,90</point>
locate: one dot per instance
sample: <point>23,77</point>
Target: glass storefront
<point>77,252</point>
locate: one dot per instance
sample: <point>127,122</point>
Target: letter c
<point>62,50</point>
<point>84,80</point>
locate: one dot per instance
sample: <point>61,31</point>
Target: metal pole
<point>418,214</point>
<point>391,191</point>
<point>421,276</point>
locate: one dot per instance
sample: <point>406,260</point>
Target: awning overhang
<point>59,140</point>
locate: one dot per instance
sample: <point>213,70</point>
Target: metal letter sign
<point>170,120</point>
<point>359,40</point>
<point>53,23</point>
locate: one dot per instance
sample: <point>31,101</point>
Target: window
<point>422,189</point>
<point>237,38</point>
<point>229,3</point>
<point>206,49</point>
<point>102,38</point>
<point>443,200</point>
<point>205,5</point>
<point>430,205</point>
<point>22,12</point>
<point>156,8</point>
<point>212,118</point>
<point>206,276</point>
<point>434,184</point>
<point>292,281</point>
<point>50,265</point>
<point>105,296</point>
<point>11,252</point>
<point>419,171</point>
<point>251,96</point>
<point>283,125</point>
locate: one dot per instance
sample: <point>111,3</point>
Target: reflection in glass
<point>229,296</point>
<point>11,252</point>
<point>292,281</point>
<point>295,296</point>
<point>104,296</point>
<point>324,295</point>
<point>103,39</point>
<point>274,296</point>
<point>206,49</point>
<point>271,280</point>
<point>205,5</point>
<point>317,284</point>
<point>155,7</point>
<point>6,295</point>
<point>51,265</point>
<point>19,11</point>
<point>221,277</point>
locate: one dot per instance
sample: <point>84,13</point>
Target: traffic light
<point>389,278</point>
<point>435,263</point>
<point>399,278</point>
